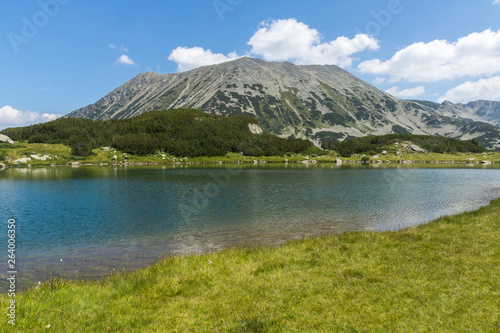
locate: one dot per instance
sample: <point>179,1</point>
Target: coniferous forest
<point>182,132</point>
<point>375,144</point>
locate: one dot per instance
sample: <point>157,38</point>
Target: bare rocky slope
<point>315,102</point>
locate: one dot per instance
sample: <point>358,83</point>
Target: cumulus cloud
<point>189,58</point>
<point>471,56</point>
<point>486,89</point>
<point>10,117</point>
<point>407,93</point>
<point>125,60</point>
<point>290,40</point>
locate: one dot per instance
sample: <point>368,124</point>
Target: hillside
<point>186,133</point>
<point>398,143</point>
<point>314,102</point>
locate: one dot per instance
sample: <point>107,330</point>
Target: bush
<point>81,149</point>
<point>313,150</point>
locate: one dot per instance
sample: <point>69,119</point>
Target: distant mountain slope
<point>317,102</point>
<point>487,111</point>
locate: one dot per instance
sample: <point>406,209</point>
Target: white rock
<point>255,129</point>
<point>418,149</point>
<point>5,138</point>
<point>22,160</point>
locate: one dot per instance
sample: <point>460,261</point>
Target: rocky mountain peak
<point>307,101</point>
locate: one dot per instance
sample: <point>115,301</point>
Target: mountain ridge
<point>302,101</point>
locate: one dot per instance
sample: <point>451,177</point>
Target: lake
<point>86,222</point>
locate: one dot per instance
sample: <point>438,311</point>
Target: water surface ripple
<point>100,218</point>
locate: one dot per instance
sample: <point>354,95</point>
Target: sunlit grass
<point>439,277</point>
<point>61,155</point>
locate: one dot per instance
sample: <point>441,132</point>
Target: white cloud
<point>486,89</point>
<point>10,117</point>
<point>125,60</point>
<point>189,58</point>
<point>290,40</point>
<point>474,55</point>
<point>121,48</point>
<point>496,2</point>
<point>407,93</point>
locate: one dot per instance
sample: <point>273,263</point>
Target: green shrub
<point>434,144</point>
<point>182,132</point>
<point>313,150</point>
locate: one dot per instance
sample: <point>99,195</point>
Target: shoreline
<point>424,274</point>
<point>254,162</point>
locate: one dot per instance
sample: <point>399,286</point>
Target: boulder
<point>22,160</point>
<point>384,152</point>
<point>5,138</point>
<point>40,158</point>
<point>255,129</point>
<point>418,149</point>
<point>338,161</point>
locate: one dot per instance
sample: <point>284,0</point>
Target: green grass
<point>62,155</point>
<point>439,277</point>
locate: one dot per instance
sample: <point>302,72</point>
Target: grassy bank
<point>61,155</point>
<point>440,277</point>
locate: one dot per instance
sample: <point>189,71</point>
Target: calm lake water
<point>87,221</point>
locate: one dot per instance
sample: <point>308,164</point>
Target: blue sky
<point>59,55</point>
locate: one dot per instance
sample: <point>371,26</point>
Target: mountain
<point>486,111</point>
<point>314,102</point>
